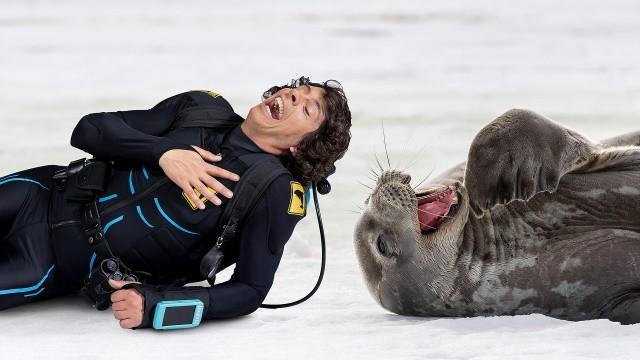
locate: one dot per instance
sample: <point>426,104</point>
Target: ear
<point>293,149</point>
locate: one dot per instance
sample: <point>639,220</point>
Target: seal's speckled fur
<point>548,222</point>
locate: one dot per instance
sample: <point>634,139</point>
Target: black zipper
<point>137,197</point>
<point>64,223</point>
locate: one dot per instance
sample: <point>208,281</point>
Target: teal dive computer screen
<point>177,314</point>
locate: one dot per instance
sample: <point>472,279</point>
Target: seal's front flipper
<point>518,155</point>
<point>628,139</point>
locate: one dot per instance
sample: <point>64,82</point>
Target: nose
<point>296,96</point>
<point>391,176</point>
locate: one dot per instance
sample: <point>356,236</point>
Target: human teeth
<point>280,104</point>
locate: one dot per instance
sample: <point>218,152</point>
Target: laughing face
<point>404,238</point>
<point>281,121</point>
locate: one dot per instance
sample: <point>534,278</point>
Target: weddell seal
<point>539,219</point>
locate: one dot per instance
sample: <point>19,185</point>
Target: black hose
<point>322,265</point>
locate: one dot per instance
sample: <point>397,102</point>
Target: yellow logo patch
<point>200,196</point>
<point>211,93</point>
<point>297,203</point>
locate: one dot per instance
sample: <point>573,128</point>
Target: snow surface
<point>432,72</point>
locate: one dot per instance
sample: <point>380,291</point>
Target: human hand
<point>190,171</point>
<point>127,305</point>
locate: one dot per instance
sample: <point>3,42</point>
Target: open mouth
<point>435,206</point>
<point>276,108</point>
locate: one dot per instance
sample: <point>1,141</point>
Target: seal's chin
<point>435,206</point>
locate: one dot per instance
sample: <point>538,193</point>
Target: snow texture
<point>431,72</point>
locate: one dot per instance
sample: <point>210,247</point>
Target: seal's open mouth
<point>436,206</point>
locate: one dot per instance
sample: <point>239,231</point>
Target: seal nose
<point>394,176</point>
<point>397,194</point>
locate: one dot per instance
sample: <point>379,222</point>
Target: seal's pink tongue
<point>433,207</point>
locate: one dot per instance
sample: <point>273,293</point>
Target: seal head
<point>404,235</point>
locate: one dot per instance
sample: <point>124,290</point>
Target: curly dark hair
<point>318,151</point>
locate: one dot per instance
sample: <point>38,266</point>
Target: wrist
<point>166,147</point>
<point>153,294</point>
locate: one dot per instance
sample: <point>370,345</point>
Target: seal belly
<point>568,254</point>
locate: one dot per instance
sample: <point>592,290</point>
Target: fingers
<point>127,307</point>
<point>129,323</point>
<point>118,284</point>
<point>207,155</point>
<point>217,186</point>
<point>123,295</point>
<point>119,306</point>
<point>214,170</point>
<point>209,187</point>
<point>189,191</point>
<point>122,314</point>
<point>209,194</point>
<point>221,173</point>
<point>195,176</point>
<point>119,295</point>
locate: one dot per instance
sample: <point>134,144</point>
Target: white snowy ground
<point>434,72</point>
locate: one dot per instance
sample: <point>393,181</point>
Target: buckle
<point>91,224</point>
<point>228,232</point>
<point>60,176</point>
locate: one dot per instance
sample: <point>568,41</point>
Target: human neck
<point>260,141</point>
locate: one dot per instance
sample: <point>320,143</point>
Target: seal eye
<point>383,247</point>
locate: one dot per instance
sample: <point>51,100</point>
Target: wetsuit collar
<point>238,140</point>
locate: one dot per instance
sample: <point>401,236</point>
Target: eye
<point>306,111</point>
<point>383,247</point>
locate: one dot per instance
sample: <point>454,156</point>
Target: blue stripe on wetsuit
<point>133,191</point>
<point>10,179</point>
<point>166,217</point>
<point>144,172</point>
<point>35,293</point>
<point>142,216</point>
<point>107,198</point>
<point>93,259</point>
<point>10,176</point>
<point>30,288</point>
<point>106,227</point>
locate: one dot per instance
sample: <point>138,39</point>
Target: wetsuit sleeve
<point>133,134</point>
<point>265,232</point>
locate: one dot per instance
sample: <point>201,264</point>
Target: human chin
<point>257,116</point>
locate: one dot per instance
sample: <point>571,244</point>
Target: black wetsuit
<point>43,252</point>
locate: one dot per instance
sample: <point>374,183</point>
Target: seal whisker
<point>384,140</point>
<point>415,159</point>
<point>359,207</point>
<point>434,214</point>
<point>429,226</point>
<point>423,180</point>
<point>421,224</point>
<point>433,194</point>
<point>365,185</point>
<point>375,174</point>
<point>428,252</point>
<point>379,165</point>
<point>353,211</point>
